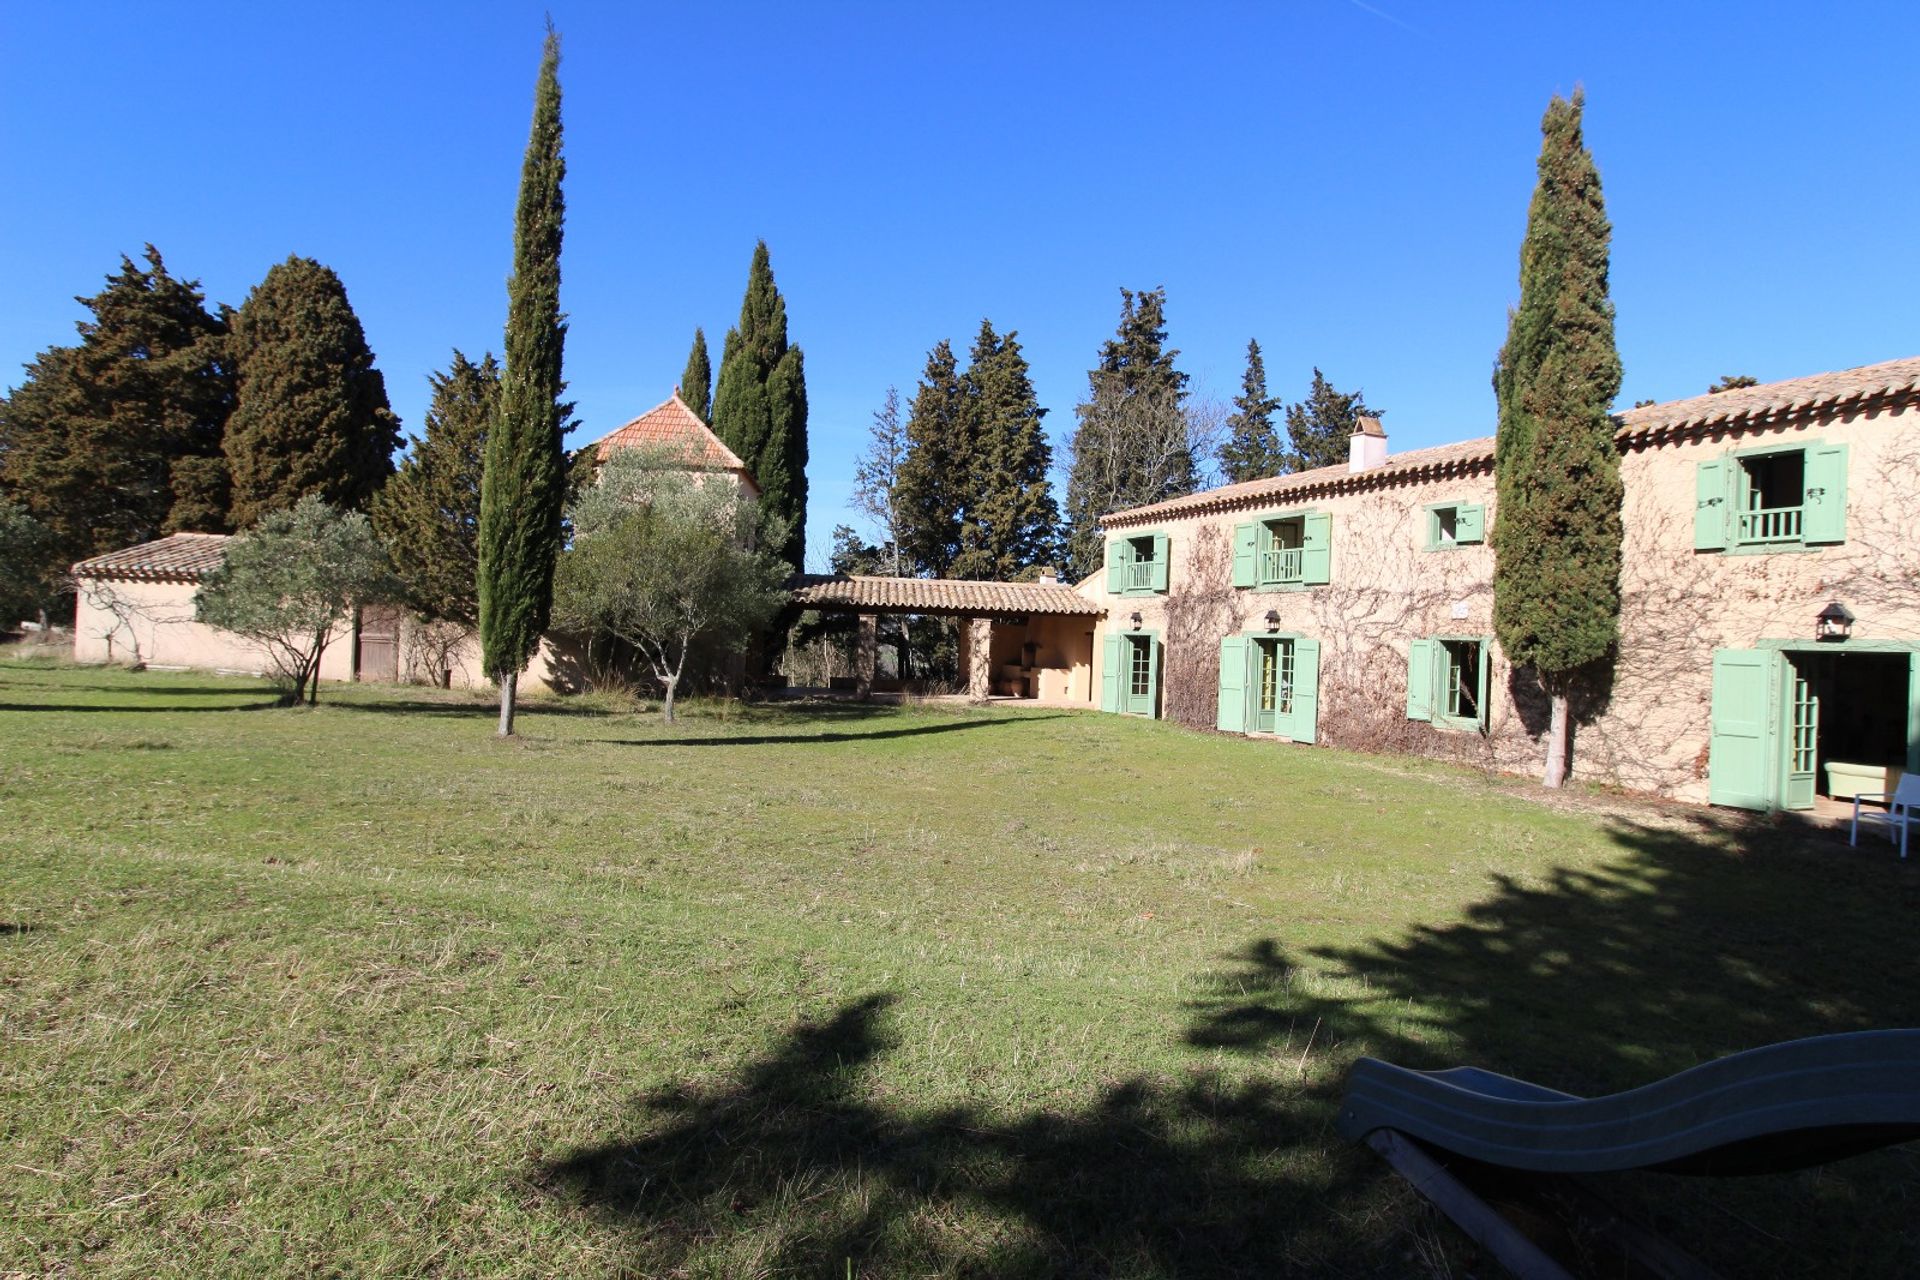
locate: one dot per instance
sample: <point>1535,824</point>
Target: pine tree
<point>1557,534</point>
<point>310,413</point>
<point>760,403</point>
<point>1252,450</point>
<point>1010,522</point>
<point>428,515</point>
<point>117,440</point>
<point>1133,443</point>
<point>524,483</point>
<point>930,497</point>
<point>1320,428</point>
<point>696,383</point>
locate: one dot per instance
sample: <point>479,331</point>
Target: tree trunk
<point>666,704</point>
<point>1557,731</point>
<point>509,687</point>
<point>313,681</point>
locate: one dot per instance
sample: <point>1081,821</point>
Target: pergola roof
<point>959,597</point>
<point>179,557</point>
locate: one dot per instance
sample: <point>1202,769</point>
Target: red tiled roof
<point>1890,381</point>
<point>672,429</point>
<point>960,596</point>
<point>179,557</point>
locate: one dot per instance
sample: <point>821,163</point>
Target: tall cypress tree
<point>1010,521</point>
<point>524,484</point>
<point>696,383</point>
<point>310,413</point>
<point>760,402</point>
<point>117,440</point>
<point>1320,428</point>
<point>1557,533</point>
<point>1131,445</point>
<point>1252,450</point>
<point>930,496</point>
<point>428,515</point>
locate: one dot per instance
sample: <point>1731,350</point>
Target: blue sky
<point>1345,181</point>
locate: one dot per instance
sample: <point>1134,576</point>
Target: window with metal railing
<point>1282,555</point>
<point>1772,500</point>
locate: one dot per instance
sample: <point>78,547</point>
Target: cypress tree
<point>428,515</point>
<point>696,383</point>
<point>1131,445</point>
<point>1556,537</point>
<point>1320,428</point>
<point>760,402</point>
<point>1010,520</point>
<point>930,496</point>
<point>116,440</point>
<point>524,482</point>
<point>310,414</point>
<point>1252,450</point>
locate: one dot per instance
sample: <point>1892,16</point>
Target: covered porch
<point>1026,641</point>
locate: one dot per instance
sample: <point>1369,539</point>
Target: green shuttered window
<point>1284,551</point>
<point>1137,565</point>
<point>1448,680</point>
<point>1772,499</point>
<point>1455,524</point>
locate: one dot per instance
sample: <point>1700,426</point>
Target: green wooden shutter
<point>1110,674</point>
<point>1116,566</point>
<point>1305,721</point>
<point>1153,676</point>
<point>1420,680</point>
<point>1234,671</point>
<point>1486,673</point>
<point>1826,507</point>
<point>1470,522</point>
<point>1913,712</point>
<point>1316,548</point>
<point>1743,750</point>
<point>1246,556</point>
<point>1160,549</point>
<point>1711,481</point>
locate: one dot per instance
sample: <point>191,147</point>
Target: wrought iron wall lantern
<point>1273,619</point>
<point>1835,622</point>
<point>1136,621</point>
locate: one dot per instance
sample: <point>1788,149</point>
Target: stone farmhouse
<point>1770,626</point>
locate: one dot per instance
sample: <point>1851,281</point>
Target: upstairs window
<point>1771,499</point>
<point>1455,524</point>
<point>1137,565</point>
<point>1284,551</point>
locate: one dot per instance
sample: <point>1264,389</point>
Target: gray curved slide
<point>1785,1106</point>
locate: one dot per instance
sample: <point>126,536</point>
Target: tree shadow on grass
<point>1686,944</point>
<point>1692,943</point>
<point>801,738</point>
<point>121,708</point>
<point>800,1166</point>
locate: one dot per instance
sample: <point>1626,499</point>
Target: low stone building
<point>1353,605</point>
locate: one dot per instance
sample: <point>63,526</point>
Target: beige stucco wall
<point>1678,605</point>
<point>152,622</point>
<point>1062,654</point>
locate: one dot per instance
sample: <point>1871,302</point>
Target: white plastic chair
<point>1903,811</point>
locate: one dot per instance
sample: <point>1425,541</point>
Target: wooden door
<point>378,655</point>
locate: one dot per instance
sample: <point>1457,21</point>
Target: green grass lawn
<point>834,991</point>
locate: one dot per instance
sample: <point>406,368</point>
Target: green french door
<point>1802,740</point>
<point>1273,697</point>
<point>1743,750</point>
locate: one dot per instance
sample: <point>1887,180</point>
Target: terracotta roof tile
<point>1888,380</point>
<point>180,557</point>
<point>937,595</point>
<point>1891,380</point>
<point>1464,458</point>
<point>674,429</point>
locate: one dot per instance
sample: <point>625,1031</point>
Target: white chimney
<point>1048,578</point>
<point>1368,447</point>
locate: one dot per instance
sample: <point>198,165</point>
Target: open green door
<point>1744,753</point>
<point>1799,778</point>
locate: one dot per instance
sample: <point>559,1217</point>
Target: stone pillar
<point>979,658</point>
<point>863,656</point>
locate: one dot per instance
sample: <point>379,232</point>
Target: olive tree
<point>666,561</point>
<point>291,581</point>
